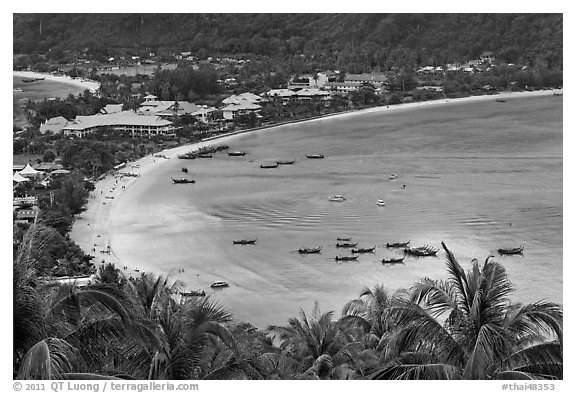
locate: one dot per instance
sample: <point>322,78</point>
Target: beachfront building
<point>375,79</point>
<point>169,109</point>
<point>312,94</point>
<point>53,125</point>
<point>284,95</point>
<point>232,111</point>
<point>243,98</point>
<point>125,121</point>
<point>342,87</point>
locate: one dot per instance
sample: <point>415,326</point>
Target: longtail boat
<point>392,261</point>
<point>193,293</point>
<point>314,250</point>
<point>288,162</point>
<point>268,166</point>
<point>204,155</point>
<point>398,244</point>
<point>244,241</point>
<point>236,153</point>
<point>314,155</point>
<point>424,251</point>
<point>346,245</point>
<point>361,250</point>
<point>346,258</point>
<point>182,181</point>
<point>511,251</point>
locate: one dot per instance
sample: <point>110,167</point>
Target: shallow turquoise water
<point>479,176</point>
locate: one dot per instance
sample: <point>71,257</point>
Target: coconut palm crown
<point>465,327</point>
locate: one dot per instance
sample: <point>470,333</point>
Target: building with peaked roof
<point>169,109</point>
<point>280,94</point>
<point>232,111</point>
<point>242,98</point>
<point>48,166</point>
<point>126,121</point>
<point>312,94</point>
<point>30,172</point>
<point>376,79</point>
<point>112,108</point>
<point>53,125</point>
<point>342,87</point>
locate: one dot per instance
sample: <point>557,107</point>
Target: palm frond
<point>48,359</point>
<point>419,372</point>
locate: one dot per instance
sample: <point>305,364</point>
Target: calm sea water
<point>479,176</point>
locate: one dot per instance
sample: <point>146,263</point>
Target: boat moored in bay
<point>244,241</point>
<point>392,261</point>
<point>268,166</point>
<point>362,250</point>
<point>314,250</point>
<point>423,251</point>
<point>341,258</point>
<point>219,284</point>
<point>337,198</point>
<point>346,245</point>
<point>398,244</point>
<point>511,251</point>
<point>183,181</point>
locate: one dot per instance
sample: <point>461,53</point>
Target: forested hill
<point>376,39</point>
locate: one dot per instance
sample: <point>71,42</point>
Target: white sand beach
<point>86,84</point>
<point>92,231</point>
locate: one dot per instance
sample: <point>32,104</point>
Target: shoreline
<point>90,85</point>
<point>92,232</point>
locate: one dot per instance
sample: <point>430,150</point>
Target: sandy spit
<point>86,84</point>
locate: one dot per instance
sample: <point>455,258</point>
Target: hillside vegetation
<point>369,40</point>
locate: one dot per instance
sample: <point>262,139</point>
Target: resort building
<point>342,87</point>
<point>232,111</point>
<point>112,108</point>
<point>312,94</point>
<point>125,121</point>
<point>285,95</point>
<point>242,99</point>
<point>169,109</point>
<point>53,125</point>
<point>376,79</point>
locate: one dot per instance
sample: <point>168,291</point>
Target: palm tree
<point>465,327</point>
<point>73,329</point>
<point>371,311</point>
<point>187,333</point>
<point>318,344</point>
<point>63,329</point>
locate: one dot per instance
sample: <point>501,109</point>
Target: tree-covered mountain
<point>367,39</point>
